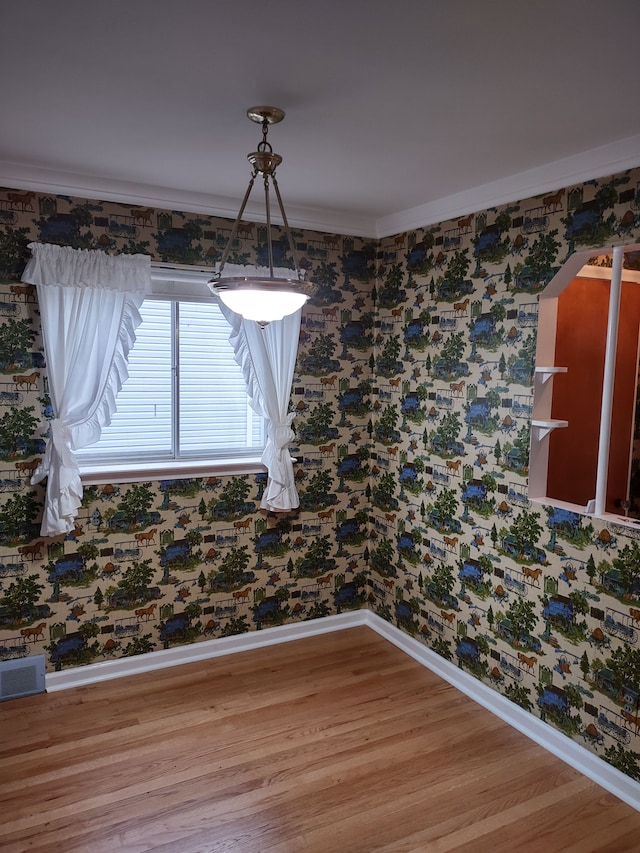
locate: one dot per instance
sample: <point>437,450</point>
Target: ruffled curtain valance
<point>89,305</point>
<point>63,266</point>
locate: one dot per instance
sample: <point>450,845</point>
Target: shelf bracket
<point>545,373</point>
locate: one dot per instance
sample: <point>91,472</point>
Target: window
<point>585,448</point>
<point>184,406</point>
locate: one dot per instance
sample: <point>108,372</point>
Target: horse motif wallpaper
<point>413,401</point>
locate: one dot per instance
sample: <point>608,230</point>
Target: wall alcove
<point>586,386</point>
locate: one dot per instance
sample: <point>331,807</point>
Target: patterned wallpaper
<point>413,393</point>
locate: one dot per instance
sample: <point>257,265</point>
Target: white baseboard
<point>545,735</point>
<point>193,652</point>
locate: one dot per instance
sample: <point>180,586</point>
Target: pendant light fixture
<point>263,298</point>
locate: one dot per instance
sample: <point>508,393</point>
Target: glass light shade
<point>261,302</point>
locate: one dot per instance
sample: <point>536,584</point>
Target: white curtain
<point>89,305</point>
<point>267,358</point>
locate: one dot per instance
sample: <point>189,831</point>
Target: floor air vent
<point>21,678</point>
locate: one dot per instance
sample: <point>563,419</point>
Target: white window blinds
<point>185,398</point>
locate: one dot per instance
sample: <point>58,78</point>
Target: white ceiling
<point>399,113</point>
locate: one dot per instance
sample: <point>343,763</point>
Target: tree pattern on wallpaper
<point>413,396</point>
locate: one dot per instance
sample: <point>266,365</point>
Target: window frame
<point>180,283</point>
<point>542,425</point>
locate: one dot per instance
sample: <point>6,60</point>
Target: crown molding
<point>586,166</point>
<point>24,177</point>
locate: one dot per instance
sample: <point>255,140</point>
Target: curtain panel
<point>267,358</point>
<point>89,305</point>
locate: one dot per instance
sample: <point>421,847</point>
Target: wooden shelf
<point>544,427</point>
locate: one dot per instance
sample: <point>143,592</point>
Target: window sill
<point>107,474</point>
<point>605,517</point>
<point>545,500</point>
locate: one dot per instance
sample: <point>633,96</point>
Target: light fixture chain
<point>292,245</point>
<point>268,207</point>
<point>264,145</point>
<point>234,230</point>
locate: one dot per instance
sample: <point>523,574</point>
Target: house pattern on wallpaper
<point>413,398</point>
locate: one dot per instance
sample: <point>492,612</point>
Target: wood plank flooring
<point>334,743</point>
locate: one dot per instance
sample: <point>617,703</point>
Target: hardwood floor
<point>339,742</point>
